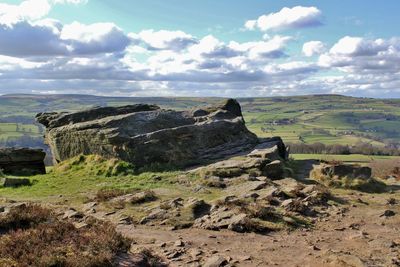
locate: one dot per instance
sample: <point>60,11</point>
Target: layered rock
<point>265,160</point>
<point>145,134</point>
<point>22,161</point>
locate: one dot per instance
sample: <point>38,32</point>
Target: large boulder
<point>145,134</point>
<point>349,176</point>
<point>22,161</point>
<point>338,171</point>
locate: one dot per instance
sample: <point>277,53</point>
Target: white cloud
<point>94,38</point>
<point>43,55</point>
<point>164,40</point>
<point>27,10</point>
<point>296,17</point>
<point>358,46</point>
<point>361,55</point>
<point>75,2</point>
<point>30,10</point>
<point>313,48</point>
<point>51,38</point>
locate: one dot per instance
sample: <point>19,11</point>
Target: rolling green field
<point>329,119</point>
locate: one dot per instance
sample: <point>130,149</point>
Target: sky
<point>227,48</point>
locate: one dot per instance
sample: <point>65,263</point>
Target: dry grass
<point>386,168</point>
<point>106,194</point>
<point>143,197</point>
<point>51,242</point>
<point>367,185</point>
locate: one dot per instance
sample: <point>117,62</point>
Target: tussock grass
<point>105,194</point>
<point>95,165</point>
<point>367,185</point>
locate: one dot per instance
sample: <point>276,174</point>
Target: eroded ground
<point>354,234</point>
<point>300,225</point>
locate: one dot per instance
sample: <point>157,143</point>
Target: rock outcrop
<point>349,176</point>
<point>265,160</point>
<point>22,161</point>
<point>145,134</point>
<point>342,170</point>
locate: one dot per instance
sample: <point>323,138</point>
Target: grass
<point>81,177</point>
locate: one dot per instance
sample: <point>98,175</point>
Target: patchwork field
<point>329,119</point>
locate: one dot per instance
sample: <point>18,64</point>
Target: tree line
<point>360,148</point>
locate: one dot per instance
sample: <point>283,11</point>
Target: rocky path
<point>357,233</point>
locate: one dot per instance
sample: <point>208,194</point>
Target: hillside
<point>329,119</point>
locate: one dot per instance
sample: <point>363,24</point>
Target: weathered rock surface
<point>265,160</point>
<point>145,134</point>
<point>14,182</point>
<point>343,170</point>
<point>22,161</point>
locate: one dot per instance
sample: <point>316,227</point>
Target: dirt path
<point>352,235</point>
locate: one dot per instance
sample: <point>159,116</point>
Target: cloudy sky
<point>200,48</point>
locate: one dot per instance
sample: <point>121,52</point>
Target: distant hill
<point>330,119</point>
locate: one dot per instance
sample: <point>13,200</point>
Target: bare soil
<point>355,233</point>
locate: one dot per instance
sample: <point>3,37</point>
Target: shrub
<point>386,168</point>
<point>24,217</point>
<point>51,242</point>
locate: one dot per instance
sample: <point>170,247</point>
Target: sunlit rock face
<point>146,134</point>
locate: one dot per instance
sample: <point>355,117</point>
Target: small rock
<point>391,201</point>
<point>71,213</point>
<point>14,182</point>
<point>251,195</point>
<point>245,258</point>
<point>89,206</point>
<point>91,211</point>
<point>110,213</point>
<point>179,243</point>
<point>314,247</point>
<point>215,261</point>
<point>388,213</point>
